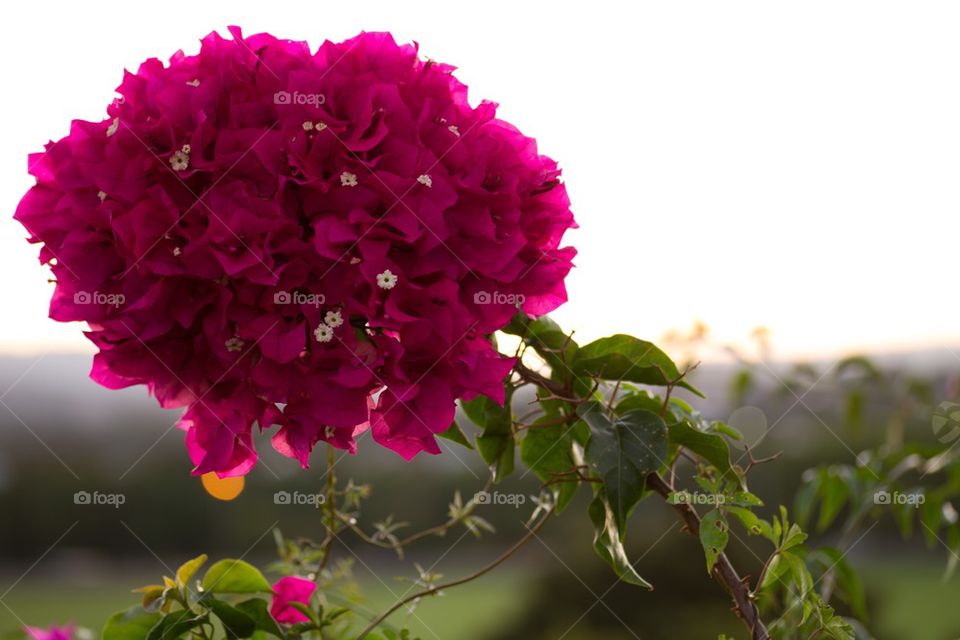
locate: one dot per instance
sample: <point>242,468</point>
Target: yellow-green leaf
<point>189,568</point>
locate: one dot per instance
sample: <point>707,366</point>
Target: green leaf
<point>307,611</point>
<point>709,446</point>
<point>235,576</point>
<point>624,452</point>
<point>751,522</point>
<point>839,629</point>
<point>903,514</point>
<point>714,534</point>
<point>854,410</point>
<point>257,610</point>
<point>740,387</point>
<point>931,512</point>
<point>833,492</point>
<point>151,593</point>
<point>801,575</point>
<point>806,497</point>
<point>727,430</point>
<point>133,624</point>
<point>174,625</point>
<point>794,537</point>
<point>639,400</point>
<point>454,434</point>
<point>236,623</point>
<point>546,452</point>
<point>623,357</point>
<point>480,410</point>
<point>550,342</point>
<point>745,499</point>
<point>189,568</point>
<point>495,444</point>
<point>848,581</point>
<point>607,541</point>
<point>776,569</point>
<point>868,369</point>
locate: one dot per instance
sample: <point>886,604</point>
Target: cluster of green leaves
<point>917,485</point>
<point>181,605</point>
<point>602,423</point>
<point>908,475</point>
<point>787,585</point>
<point>230,601</point>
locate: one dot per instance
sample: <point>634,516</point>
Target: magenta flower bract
<point>64,632</point>
<point>319,242</point>
<point>287,590</point>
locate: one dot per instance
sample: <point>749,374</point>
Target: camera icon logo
<point>281,497</point>
<point>281,97</point>
<point>481,497</point>
<point>82,497</point>
<point>282,297</point>
<point>881,497</point>
<point>81,297</point>
<point>482,297</point>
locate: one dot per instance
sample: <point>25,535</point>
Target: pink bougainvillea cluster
<point>317,243</point>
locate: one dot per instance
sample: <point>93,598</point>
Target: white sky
<point>741,163</point>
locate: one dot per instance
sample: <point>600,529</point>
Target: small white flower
<point>112,129</point>
<point>320,126</point>
<point>386,280</point>
<point>186,149</point>
<point>329,432</point>
<point>177,251</point>
<point>454,130</point>
<point>234,344</point>
<point>102,195</point>
<point>348,179</point>
<point>194,83</point>
<point>425,180</point>
<point>355,260</point>
<point>333,319</point>
<point>307,126</point>
<point>179,161</point>
<point>323,333</point>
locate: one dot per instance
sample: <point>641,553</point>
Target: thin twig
<point>435,589</point>
<point>330,497</point>
<point>439,530</point>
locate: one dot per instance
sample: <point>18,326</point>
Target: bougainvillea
<point>289,590</point>
<point>55,632</point>
<point>318,243</point>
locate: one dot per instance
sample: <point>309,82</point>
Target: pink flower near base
<point>286,591</point>
<point>316,243</point>
<point>53,633</point>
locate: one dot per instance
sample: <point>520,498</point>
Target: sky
<point>788,165</point>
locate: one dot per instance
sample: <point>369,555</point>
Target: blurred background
<point>741,165</point>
